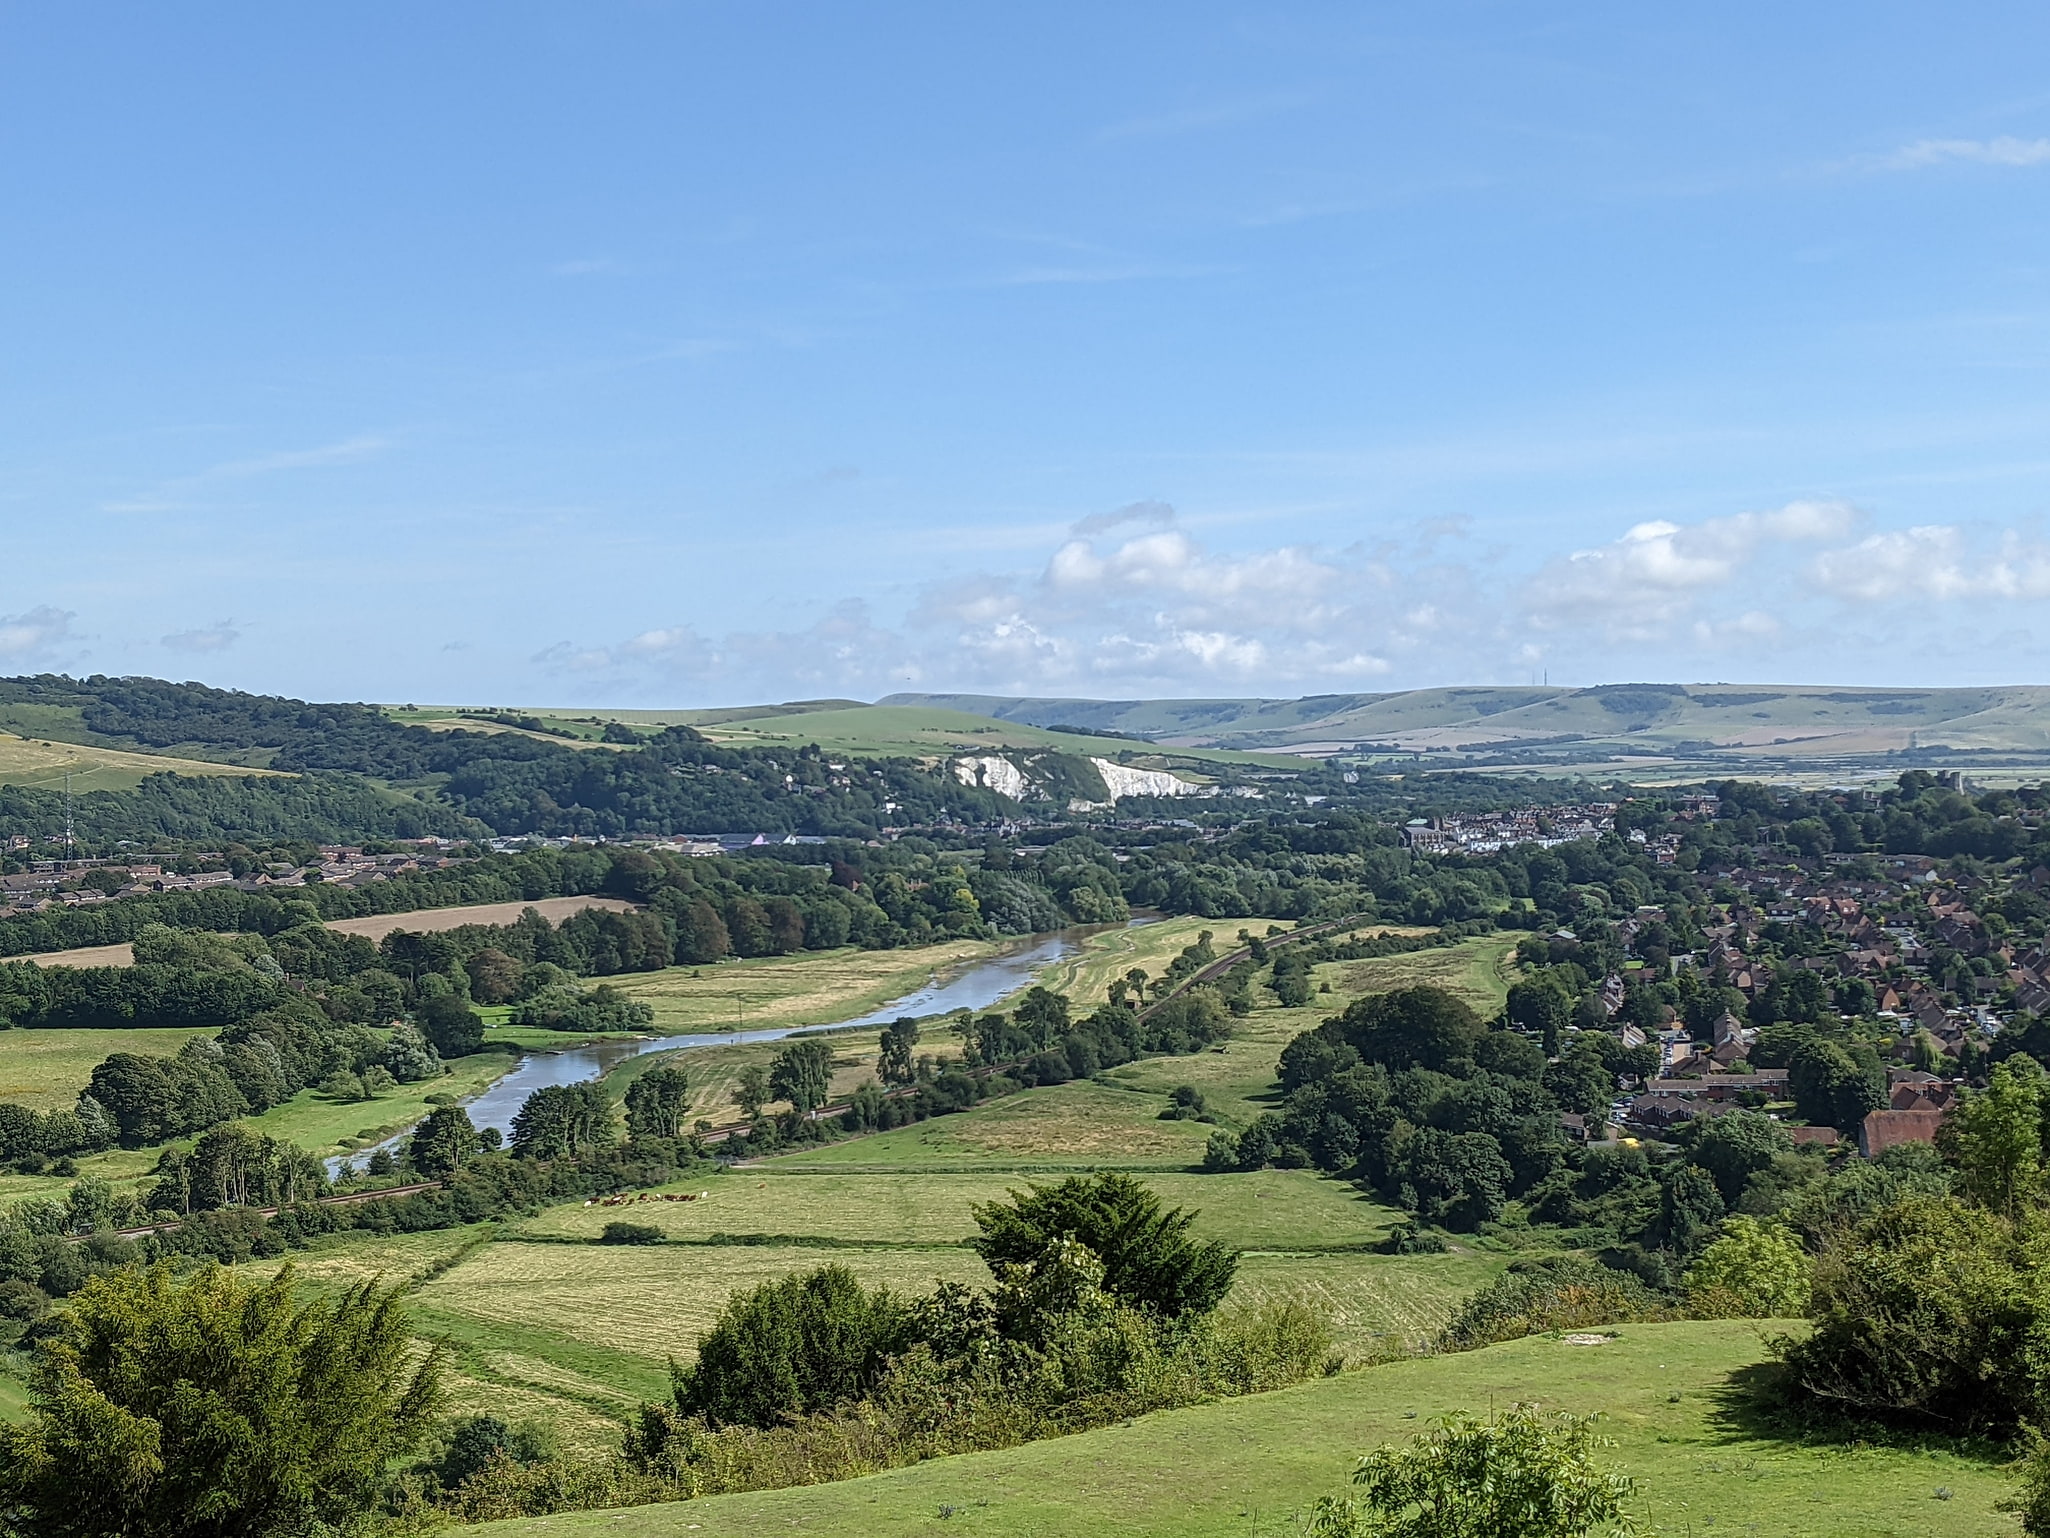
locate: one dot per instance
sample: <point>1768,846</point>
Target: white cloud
<point>1131,603</point>
<point>34,632</point>
<point>217,637</point>
<point>1650,577</point>
<point>1935,561</point>
<point>2003,151</point>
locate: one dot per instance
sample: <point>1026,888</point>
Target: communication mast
<point>70,837</point>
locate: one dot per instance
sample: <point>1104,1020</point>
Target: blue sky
<point>703,353</point>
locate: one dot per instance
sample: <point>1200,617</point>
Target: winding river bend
<point>976,987</point>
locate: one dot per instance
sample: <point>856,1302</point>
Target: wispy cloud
<point>217,637</point>
<point>35,631</point>
<point>181,491</point>
<point>2003,151</point>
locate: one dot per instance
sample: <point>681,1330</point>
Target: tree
<point>1422,1027</point>
<point>494,976</point>
<point>443,1141</point>
<point>168,1409</point>
<point>1520,1474</point>
<point>452,1026</point>
<point>790,1347</point>
<point>900,1040</point>
<point>562,1119</point>
<point>1736,1146</point>
<point>1833,1089</point>
<point>657,1102</point>
<point>1754,1269</point>
<point>409,1057</point>
<point>751,1090</point>
<point>1995,1138</point>
<point>701,936</point>
<point>803,1075</point>
<point>1542,1009</point>
<point>1149,1260</point>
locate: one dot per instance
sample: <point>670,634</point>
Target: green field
<point>812,988</point>
<point>1251,1468</point>
<point>45,1069</point>
<point>1477,970</point>
<point>316,1122</point>
<point>786,1198</point>
<point>42,762</point>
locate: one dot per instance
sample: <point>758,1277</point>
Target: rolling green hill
<point>1793,720</point>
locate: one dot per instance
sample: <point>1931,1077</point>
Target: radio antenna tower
<point>70,837</point>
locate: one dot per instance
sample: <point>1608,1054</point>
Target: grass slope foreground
<point>1672,1396</point>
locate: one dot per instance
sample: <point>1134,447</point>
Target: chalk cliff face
<point>1121,781</point>
<point>993,773</point>
<point>1086,784</point>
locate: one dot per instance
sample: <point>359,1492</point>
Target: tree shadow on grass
<point>1764,1403</point>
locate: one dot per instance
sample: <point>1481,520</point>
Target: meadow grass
<point>322,1124</point>
<point>649,1302</point>
<point>1672,1396</point>
<point>813,988</point>
<point>1066,1126</point>
<point>44,1069</point>
<point>714,1071</point>
<point>1267,1210</point>
<point>37,762</point>
<point>1109,954</point>
<point>1476,969</point>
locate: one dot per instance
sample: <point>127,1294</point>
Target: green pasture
<point>1673,1396</point>
<point>1268,1210</point>
<point>812,988</point>
<point>45,1069</point>
<point>323,1124</point>
<point>1066,1126</point>
<point>920,731</point>
<point>34,760</point>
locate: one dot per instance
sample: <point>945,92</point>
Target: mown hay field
<point>45,1069</point>
<point>813,988</point>
<point>652,1302</point>
<point>1477,970</point>
<point>1672,1396</point>
<point>43,764</point>
<point>1067,1126</point>
<point>1270,1209</point>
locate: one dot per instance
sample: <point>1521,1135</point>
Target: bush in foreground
<point>1521,1474</point>
<point>214,1406</point>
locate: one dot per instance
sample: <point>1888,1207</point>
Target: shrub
<point>631,1233</point>
<point>791,1347</point>
<point>1562,1292</point>
<point>1929,1315</point>
<point>1522,1472</point>
<point>215,1405</point>
<point>1755,1270</point>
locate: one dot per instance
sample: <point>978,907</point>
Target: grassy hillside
<point>1252,1468</point>
<point>1781,720</point>
<point>43,763</point>
<point>845,726</point>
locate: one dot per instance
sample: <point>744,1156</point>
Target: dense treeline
<point>210,810</point>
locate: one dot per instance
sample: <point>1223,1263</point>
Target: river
<point>979,986</point>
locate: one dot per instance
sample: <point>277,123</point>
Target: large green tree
<point>214,1408</point>
<point>657,1102</point>
<point>803,1075</point>
<point>1148,1258</point>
